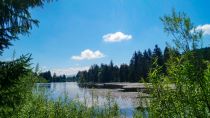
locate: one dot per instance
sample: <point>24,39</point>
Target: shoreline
<point>121,86</point>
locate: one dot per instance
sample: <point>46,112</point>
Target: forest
<point>179,77</point>
<point>48,77</point>
<point>137,70</point>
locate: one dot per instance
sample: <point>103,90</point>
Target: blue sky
<point>103,30</point>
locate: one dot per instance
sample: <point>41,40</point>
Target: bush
<point>16,83</point>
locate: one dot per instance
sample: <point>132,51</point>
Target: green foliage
<point>15,84</point>
<point>15,76</point>
<point>184,90</point>
<point>39,106</point>
<point>185,35</point>
<point>16,19</point>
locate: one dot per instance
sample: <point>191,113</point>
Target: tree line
<point>139,67</point>
<point>56,78</point>
<point>137,70</point>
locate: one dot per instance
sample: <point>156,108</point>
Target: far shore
<point>121,86</point>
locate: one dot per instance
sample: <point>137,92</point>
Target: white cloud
<point>116,37</point>
<point>205,28</point>
<point>69,71</point>
<point>88,54</point>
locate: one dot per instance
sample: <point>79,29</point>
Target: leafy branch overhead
<point>184,33</point>
<point>15,19</point>
<point>16,80</point>
<point>184,90</point>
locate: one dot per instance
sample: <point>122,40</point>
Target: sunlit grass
<point>39,106</point>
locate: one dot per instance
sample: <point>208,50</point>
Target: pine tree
<point>157,54</point>
<point>166,57</point>
<point>123,73</point>
<point>15,20</point>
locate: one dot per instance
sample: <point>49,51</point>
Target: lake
<point>127,101</point>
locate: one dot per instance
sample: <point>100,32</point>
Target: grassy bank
<point>39,106</point>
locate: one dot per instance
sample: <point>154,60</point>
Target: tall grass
<point>39,106</point>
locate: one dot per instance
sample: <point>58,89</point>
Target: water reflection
<point>127,101</point>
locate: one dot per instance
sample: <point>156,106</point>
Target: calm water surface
<point>127,101</point>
